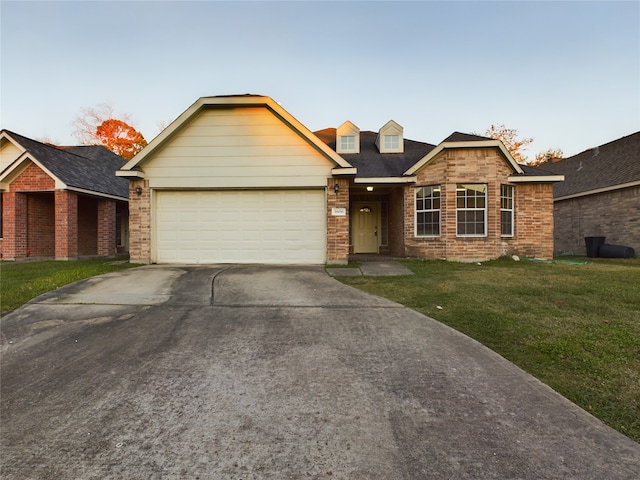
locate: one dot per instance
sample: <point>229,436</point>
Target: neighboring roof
<point>465,137</point>
<point>133,167</point>
<point>370,163</point>
<point>89,168</point>
<point>607,167</point>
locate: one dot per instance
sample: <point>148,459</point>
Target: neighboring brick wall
<point>396,222</point>
<point>337,226</point>
<point>106,228</point>
<point>66,225</point>
<point>140,222</point>
<point>40,225</point>
<point>614,215</point>
<point>533,210</point>
<point>87,226</point>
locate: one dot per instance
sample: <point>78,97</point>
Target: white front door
<point>365,227</point>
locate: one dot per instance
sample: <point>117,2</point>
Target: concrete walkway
<point>245,372</point>
<point>376,268</point>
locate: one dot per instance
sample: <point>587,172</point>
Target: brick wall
<point>87,226</point>
<point>66,214</point>
<point>40,225</point>
<point>140,222</point>
<point>614,215</point>
<point>106,228</point>
<point>337,226</point>
<point>533,234</point>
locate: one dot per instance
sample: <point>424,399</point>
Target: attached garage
<point>238,180</point>
<point>241,226</point>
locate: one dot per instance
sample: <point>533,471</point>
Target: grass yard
<point>575,326</point>
<point>23,281</point>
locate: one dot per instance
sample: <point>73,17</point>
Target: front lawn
<point>575,325</point>
<point>23,281</point>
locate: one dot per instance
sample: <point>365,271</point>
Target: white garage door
<point>249,226</point>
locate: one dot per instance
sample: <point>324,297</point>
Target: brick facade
<point>533,229</point>
<point>337,226</point>
<point>41,222</point>
<point>614,215</point>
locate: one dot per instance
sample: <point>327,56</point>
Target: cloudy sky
<point>565,73</point>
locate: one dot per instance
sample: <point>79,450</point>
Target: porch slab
<point>344,272</point>
<point>383,269</point>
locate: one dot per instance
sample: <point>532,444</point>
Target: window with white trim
<point>391,142</point>
<point>347,142</point>
<point>471,210</point>
<point>506,210</point>
<point>428,211</point>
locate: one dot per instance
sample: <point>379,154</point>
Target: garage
<point>240,226</point>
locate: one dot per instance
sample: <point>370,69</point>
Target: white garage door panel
<point>252,226</point>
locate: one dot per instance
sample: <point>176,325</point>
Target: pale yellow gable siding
<point>8,153</point>
<point>237,148</point>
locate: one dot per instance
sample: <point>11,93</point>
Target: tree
<point>551,154</point>
<point>98,126</point>
<point>120,137</point>
<point>509,136</point>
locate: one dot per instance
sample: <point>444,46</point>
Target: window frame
<point>467,199</point>
<point>431,210</point>
<point>504,209</point>
<point>351,143</point>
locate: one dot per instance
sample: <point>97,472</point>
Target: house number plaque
<point>338,212</point>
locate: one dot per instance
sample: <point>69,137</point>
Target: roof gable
<point>92,172</point>
<point>609,166</point>
<point>135,166</point>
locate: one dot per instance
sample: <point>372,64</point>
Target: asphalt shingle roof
<point>607,165</point>
<point>370,162</point>
<point>90,167</point>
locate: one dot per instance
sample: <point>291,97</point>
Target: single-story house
<point>60,202</point>
<point>600,196</point>
<point>237,179</point>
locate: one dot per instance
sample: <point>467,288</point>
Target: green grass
<point>575,326</point>
<point>23,281</point>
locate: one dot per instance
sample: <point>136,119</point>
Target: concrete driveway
<point>251,372</point>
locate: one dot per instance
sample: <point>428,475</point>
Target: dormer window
<point>348,143</point>
<point>391,142</point>
<point>390,138</point>
<point>347,138</point>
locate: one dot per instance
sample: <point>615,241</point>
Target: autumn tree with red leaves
<point>120,137</point>
<point>98,126</point>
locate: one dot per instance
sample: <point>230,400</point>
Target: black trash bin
<point>593,245</point>
<point>616,251</point>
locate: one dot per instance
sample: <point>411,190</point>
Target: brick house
<point>600,196</point>
<point>60,202</point>
<point>237,179</point>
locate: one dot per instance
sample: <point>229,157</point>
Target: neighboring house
<point>600,196</point>
<point>237,179</point>
<point>60,202</point>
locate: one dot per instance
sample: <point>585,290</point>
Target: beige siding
<point>236,148</point>
<point>8,153</point>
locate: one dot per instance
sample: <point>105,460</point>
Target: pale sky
<point>565,73</point>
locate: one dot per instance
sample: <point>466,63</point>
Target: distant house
<point>600,196</point>
<point>237,179</point>
<point>60,202</point>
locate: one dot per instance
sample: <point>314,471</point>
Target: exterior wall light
<point>369,189</point>
<point>336,188</point>
<point>138,190</point>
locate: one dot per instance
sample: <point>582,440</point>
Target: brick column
<point>106,228</point>
<point>66,225</point>
<point>14,225</point>
<point>140,222</point>
<point>337,225</point>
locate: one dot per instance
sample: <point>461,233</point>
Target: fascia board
<point>96,194</point>
<point>130,173</point>
<point>338,172</point>
<point>475,144</point>
<point>247,101</point>
<point>379,180</point>
<point>537,179</point>
<point>598,190</point>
